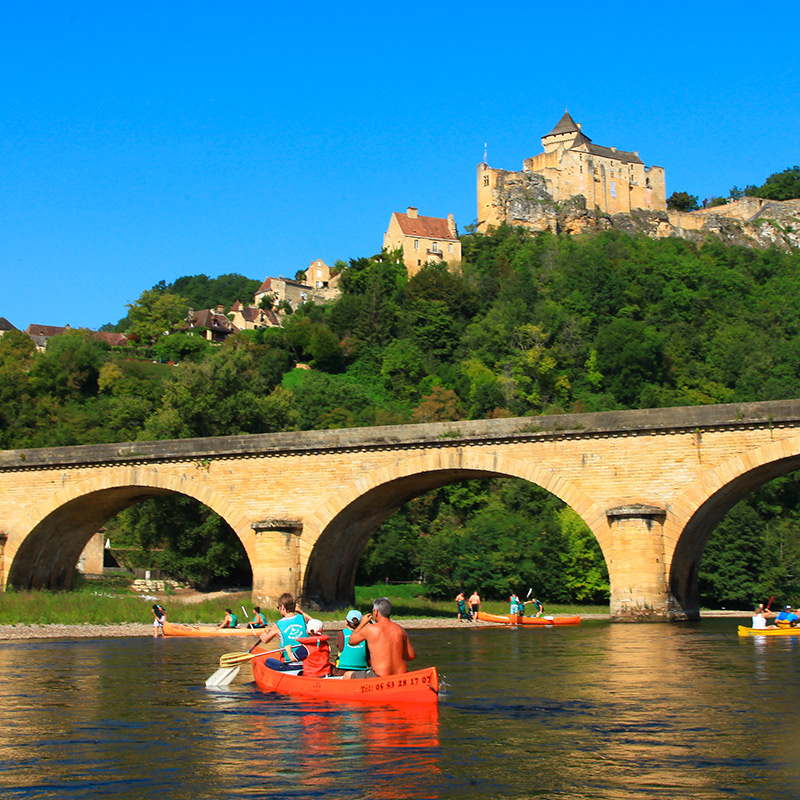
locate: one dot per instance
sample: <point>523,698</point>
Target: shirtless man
<point>389,646</point>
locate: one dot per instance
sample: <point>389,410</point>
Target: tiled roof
<point>429,227</point>
<point>565,125</point>
<point>606,152</point>
<point>5,325</point>
<point>45,330</point>
<point>207,318</point>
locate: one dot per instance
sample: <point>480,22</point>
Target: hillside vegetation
<point>530,325</point>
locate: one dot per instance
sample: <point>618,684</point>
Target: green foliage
<point>200,291</point>
<point>682,201</point>
<point>778,186</point>
<point>157,312</point>
<point>185,539</point>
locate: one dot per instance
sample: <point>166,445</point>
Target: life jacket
<point>316,663</point>
<point>234,621</point>
<point>291,629</point>
<point>353,656</point>
<point>260,620</point>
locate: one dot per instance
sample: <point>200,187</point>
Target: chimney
<point>220,309</point>
<point>412,212</point>
<point>579,127</point>
<point>451,225</point>
<point>613,149</point>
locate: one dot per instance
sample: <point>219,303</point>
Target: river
<point>593,711</point>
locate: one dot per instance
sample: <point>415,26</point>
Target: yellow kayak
<point>743,631</point>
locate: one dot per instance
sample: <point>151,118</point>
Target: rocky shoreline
<point>88,630</point>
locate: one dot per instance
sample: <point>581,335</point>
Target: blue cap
<point>353,616</point>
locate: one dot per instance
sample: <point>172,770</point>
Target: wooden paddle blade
<point>231,659</point>
<point>223,676</point>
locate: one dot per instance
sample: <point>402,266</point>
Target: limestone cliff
<point>524,201</point>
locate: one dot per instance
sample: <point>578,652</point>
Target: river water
<point>592,711</point>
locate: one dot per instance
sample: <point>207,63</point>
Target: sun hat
<point>314,626</point>
<point>353,616</point>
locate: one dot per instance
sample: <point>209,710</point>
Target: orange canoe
<point>419,686</point>
<point>518,619</point>
<point>177,629</point>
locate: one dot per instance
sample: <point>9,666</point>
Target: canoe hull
<point>177,629</point>
<point>743,631</point>
<point>505,619</point>
<point>419,686</point>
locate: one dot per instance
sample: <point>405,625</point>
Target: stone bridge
<point>650,484</point>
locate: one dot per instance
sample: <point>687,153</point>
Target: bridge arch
<point>54,532</point>
<point>693,517</point>
<point>335,535</point>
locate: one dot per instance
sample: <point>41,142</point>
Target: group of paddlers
<point>788,618</point>
<point>371,645</point>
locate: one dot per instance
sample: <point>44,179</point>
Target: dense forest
<point>529,325</point>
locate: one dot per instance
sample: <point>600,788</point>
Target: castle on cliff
<point>613,181</point>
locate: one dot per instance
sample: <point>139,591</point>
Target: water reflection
<point>600,711</point>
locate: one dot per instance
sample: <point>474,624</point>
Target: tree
<point>778,186</point>
<point>682,201</point>
<point>156,313</point>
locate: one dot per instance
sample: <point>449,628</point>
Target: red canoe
<point>518,619</point>
<point>420,686</point>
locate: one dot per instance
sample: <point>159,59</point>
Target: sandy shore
<point>8,632</point>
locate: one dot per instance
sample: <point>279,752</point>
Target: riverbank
<point>130,629</point>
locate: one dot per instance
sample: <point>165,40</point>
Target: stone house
<point>5,326</point>
<point>212,324</point>
<point>611,180</point>
<point>248,318</point>
<point>422,239</point>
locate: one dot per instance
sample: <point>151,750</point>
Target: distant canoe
<point>517,619</point>
<point>177,629</point>
<point>743,631</point>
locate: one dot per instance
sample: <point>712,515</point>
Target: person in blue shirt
<point>787,618</point>
<point>259,620</point>
<point>288,629</point>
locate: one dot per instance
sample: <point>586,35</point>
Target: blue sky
<point>142,142</point>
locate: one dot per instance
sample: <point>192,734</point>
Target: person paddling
<point>259,620</point>
<point>230,621</point>
<point>290,627</point>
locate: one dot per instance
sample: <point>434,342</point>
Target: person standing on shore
<point>159,618</point>
<point>475,604</point>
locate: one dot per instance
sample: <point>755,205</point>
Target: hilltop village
<point>573,186</point>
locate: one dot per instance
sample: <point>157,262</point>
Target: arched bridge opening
<point>329,578</point>
<point>686,562</point>
<point>47,557</point>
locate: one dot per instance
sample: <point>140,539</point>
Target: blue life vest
<point>291,629</point>
<point>234,621</point>
<point>259,620</point>
<point>353,656</point>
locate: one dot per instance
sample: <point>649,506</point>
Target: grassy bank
<point>111,602</point>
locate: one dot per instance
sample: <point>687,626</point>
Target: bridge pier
<point>639,591</point>
<point>276,567</point>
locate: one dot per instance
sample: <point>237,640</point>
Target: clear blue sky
<point>144,141</point>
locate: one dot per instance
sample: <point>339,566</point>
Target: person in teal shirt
<point>351,656</point>
<point>288,629</point>
<point>230,620</point>
<point>259,620</point>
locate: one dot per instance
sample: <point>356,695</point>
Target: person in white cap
<point>351,656</point>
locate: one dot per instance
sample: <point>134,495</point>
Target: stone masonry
<point>650,484</point>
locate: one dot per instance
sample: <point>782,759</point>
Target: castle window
<point>416,244</point>
<point>613,188</point>
<point>436,247</point>
<point>485,180</point>
<point>450,246</point>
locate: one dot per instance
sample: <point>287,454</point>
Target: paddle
<point>227,672</point>
<point>245,614</point>
<point>770,603</point>
<point>231,659</point>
